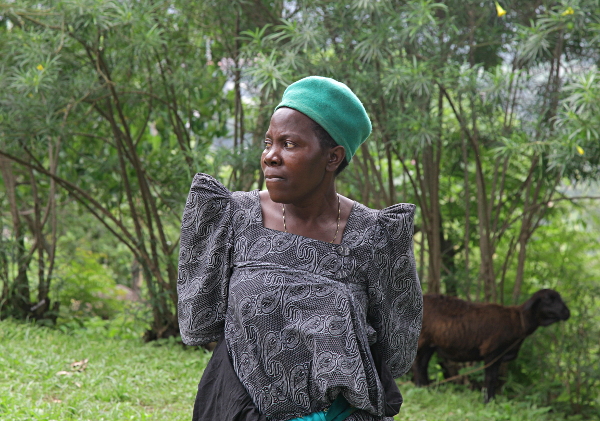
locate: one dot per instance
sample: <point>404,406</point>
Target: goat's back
<point>466,331</point>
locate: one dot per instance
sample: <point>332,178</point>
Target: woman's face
<point>293,162</point>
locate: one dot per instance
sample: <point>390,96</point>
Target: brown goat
<point>462,331</point>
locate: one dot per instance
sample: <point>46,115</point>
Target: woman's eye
<point>267,143</point>
<point>289,145</point>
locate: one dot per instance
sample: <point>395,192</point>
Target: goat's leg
<point>420,365</point>
<point>491,380</point>
<point>449,368</point>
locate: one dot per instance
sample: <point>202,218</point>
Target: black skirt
<point>222,397</point>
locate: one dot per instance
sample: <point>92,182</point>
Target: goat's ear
<point>532,302</point>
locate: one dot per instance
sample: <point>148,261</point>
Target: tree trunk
<point>520,267</point>
<point>431,185</point>
<point>448,265</point>
<point>467,195</point>
<point>434,246</point>
<point>18,292</point>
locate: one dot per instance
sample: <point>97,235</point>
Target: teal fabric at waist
<point>339,410</point>
<point>315,416</point>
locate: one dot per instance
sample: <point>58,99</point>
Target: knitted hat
<point>333,106</point>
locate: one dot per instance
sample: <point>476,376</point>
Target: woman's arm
<point>204,261</point>
<point>395,296</point>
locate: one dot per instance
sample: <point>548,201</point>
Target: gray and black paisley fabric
<point>299,314</point>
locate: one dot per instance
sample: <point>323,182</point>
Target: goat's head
<point>546,307</point>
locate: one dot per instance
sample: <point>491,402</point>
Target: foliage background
<point>485,117</point>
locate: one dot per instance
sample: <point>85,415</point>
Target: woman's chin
<point>278,197</point>
<point>278,193</point>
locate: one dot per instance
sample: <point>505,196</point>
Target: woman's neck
<point>323,217</point>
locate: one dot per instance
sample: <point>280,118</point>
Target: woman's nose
<point>272,157</point>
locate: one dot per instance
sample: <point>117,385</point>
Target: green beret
<point>333,106</point>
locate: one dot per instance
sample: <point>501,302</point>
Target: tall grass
<point>43,377</point>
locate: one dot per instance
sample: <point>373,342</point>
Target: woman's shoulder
<point>404,211</point>
<point>210,201</point>
<point>386,226</point>
<point>398,211</point>
<point>211,188</point>
<point>208,186</point>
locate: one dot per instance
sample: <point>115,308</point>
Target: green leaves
<point>113,102</point>
<point>420,18</point>
<point>28,79</point>
<point>578,149</point>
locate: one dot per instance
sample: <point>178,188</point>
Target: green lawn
<point>129,380</point>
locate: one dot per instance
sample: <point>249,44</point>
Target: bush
<point>87,288</point>
<point>558,366</point>
<point>93,303</point>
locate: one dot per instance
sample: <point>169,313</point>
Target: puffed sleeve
<point>395,297</point>
<point>204,261</point>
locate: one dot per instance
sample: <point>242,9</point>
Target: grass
<point>455,403</point>
<point>123,380</point>
<point>130,380</point>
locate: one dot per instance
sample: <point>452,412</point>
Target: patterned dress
<point>299,315</point>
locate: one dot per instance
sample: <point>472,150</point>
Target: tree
<point>129,105</point>
<point>443,96</point>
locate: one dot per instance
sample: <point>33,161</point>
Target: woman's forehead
<point>289,120</point>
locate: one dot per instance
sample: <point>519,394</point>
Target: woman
<point>314,297</point>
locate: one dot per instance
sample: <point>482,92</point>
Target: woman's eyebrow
<point>285,135</point>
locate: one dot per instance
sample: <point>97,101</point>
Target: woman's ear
<point>335,158</point>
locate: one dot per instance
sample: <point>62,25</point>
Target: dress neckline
<point>350,220</point>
